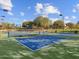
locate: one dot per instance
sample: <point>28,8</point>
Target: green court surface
<point>65,49</point>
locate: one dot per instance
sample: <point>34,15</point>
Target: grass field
<point>66,49</point>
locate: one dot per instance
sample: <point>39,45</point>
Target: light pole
<point>5,10</point>
<point>1,18</point>
<point>61,15</point>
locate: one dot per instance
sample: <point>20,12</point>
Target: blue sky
<point>24,10</point>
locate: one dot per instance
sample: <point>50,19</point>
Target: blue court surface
<point>38,42</point>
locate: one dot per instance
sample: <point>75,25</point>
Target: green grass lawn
<point>11,49</point>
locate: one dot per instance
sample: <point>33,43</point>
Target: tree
<point>59,24</point>
<point>77,25</point>
<point>41,21</point>
<point>27,24</point>
<point>70,25</point>
<point>78,22</point>
<point>7,25</point>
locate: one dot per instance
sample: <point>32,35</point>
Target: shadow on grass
<point>12,50</point>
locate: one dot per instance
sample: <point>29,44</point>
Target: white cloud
<point>45,15</point>
<point>66,17</point>
<point>67,21</point>
<point>39,7</point>
<point>51,10</point>
<point>76,8</point>
<point>6,4</point>
<point>46,9</point>
<point>74,11</point>
<point>73,17</point>
<point>10,13</point>
<point>54,19</point>
<point>77,5</point>
<point>70,17</point>
<point>25,20</point>
<point>22,13</point>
